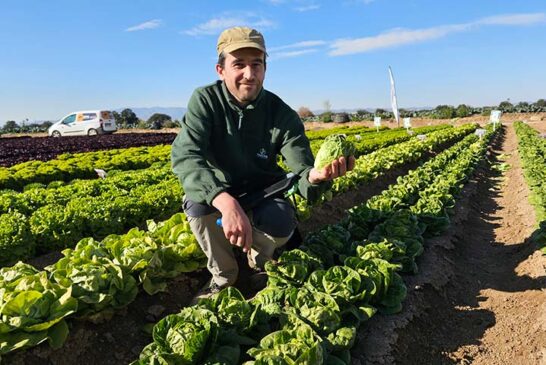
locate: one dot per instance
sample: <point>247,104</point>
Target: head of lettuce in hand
<point>334,158</point>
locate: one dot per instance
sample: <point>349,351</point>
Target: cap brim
<point>235,46</point>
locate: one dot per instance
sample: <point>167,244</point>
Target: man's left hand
<point>333,170</point>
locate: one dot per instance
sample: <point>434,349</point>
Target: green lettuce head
<point>333,147</point>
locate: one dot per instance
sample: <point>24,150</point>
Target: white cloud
<point>305,8</point>
<point>399,37</point>
<point>514,19</point>
<point>150,24</point>
<point>215,25</point>
<point>302,44</point>
<point>279,55</point>
<point>392,38</point>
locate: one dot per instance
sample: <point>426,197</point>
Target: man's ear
<point>220,71</point>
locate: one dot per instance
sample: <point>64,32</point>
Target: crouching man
<point>228,145</point>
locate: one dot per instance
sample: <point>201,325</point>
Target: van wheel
<point>55,134</point>
<point>92,132</point>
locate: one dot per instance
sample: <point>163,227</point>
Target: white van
<point>84,123</point>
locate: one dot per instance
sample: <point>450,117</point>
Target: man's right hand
<point>235,222</point>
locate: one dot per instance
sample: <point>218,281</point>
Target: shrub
<point>326,117</point>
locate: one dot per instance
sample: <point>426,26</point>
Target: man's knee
<point>275,217</point>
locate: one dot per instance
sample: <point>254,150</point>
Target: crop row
<point>22,149</point>
<point>60,225</point>
<point>91,281</point>
<point>97,277</point>
<point>316,296</point>
<point>369,142</point>
<point>43,219</point>
<point>69,166</point>
<point>532,150</point>
<point>323,133</point>
<point>117,184</point>
<point>372,165</point>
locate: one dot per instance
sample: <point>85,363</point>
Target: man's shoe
<point>208,290</point>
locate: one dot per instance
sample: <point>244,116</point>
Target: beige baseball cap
<point>240,37</point>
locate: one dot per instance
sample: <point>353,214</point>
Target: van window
<point>89,116</point>
<point>70,119</point>
<point>106,114</point>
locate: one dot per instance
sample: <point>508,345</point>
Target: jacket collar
<point>233,104</point>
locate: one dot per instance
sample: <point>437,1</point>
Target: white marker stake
<point>377,123</point>
<point>495,118</point>
<point>407,123</point>
<point>480,132</point>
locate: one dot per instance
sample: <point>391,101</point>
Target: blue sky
<point>60,56</point>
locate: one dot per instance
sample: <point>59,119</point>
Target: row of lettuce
<point>317,296</point>
<point>40,220</point>
<point>39,226</point>
<point>97,277</point>
<point>91,280</point>
<point>374,164</point>
<point>532,150</point>
<point>70,166</point>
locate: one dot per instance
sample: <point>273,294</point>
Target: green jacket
<point>222,147</point>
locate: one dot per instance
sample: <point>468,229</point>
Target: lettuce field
<point>429,252</point>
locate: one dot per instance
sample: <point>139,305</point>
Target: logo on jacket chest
<point>262,154</point>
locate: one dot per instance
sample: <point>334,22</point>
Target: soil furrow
<point>493,310</point>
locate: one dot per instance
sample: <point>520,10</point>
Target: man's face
<point>243,73</point>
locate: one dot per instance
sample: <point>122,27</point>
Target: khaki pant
<point>222,263</point>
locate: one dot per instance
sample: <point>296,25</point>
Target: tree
<point>326,117</point>
<point>541,103</point>
<point>117,118</point>
<point>11,126</point>
<point>128,118</point>
<point>522,107</point>
<point>305,112</point>
<point>444,112</point>
<point>506,106</point>
<point>404,113</point>
<point>45,125</point>
<point>157,120</point>
<point>462,111</point>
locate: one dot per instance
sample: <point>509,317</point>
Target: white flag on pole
<point>394,103</point>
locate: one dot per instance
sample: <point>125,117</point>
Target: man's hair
<point>222,59</point>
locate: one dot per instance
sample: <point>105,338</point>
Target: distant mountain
<point>146,113</point>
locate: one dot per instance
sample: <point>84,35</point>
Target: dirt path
<point>493,310</point>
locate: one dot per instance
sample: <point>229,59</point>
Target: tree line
<point>439,112</point>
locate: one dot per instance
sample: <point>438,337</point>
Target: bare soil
<point>480,295</point>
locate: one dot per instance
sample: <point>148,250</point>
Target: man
<point>231,135</point>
